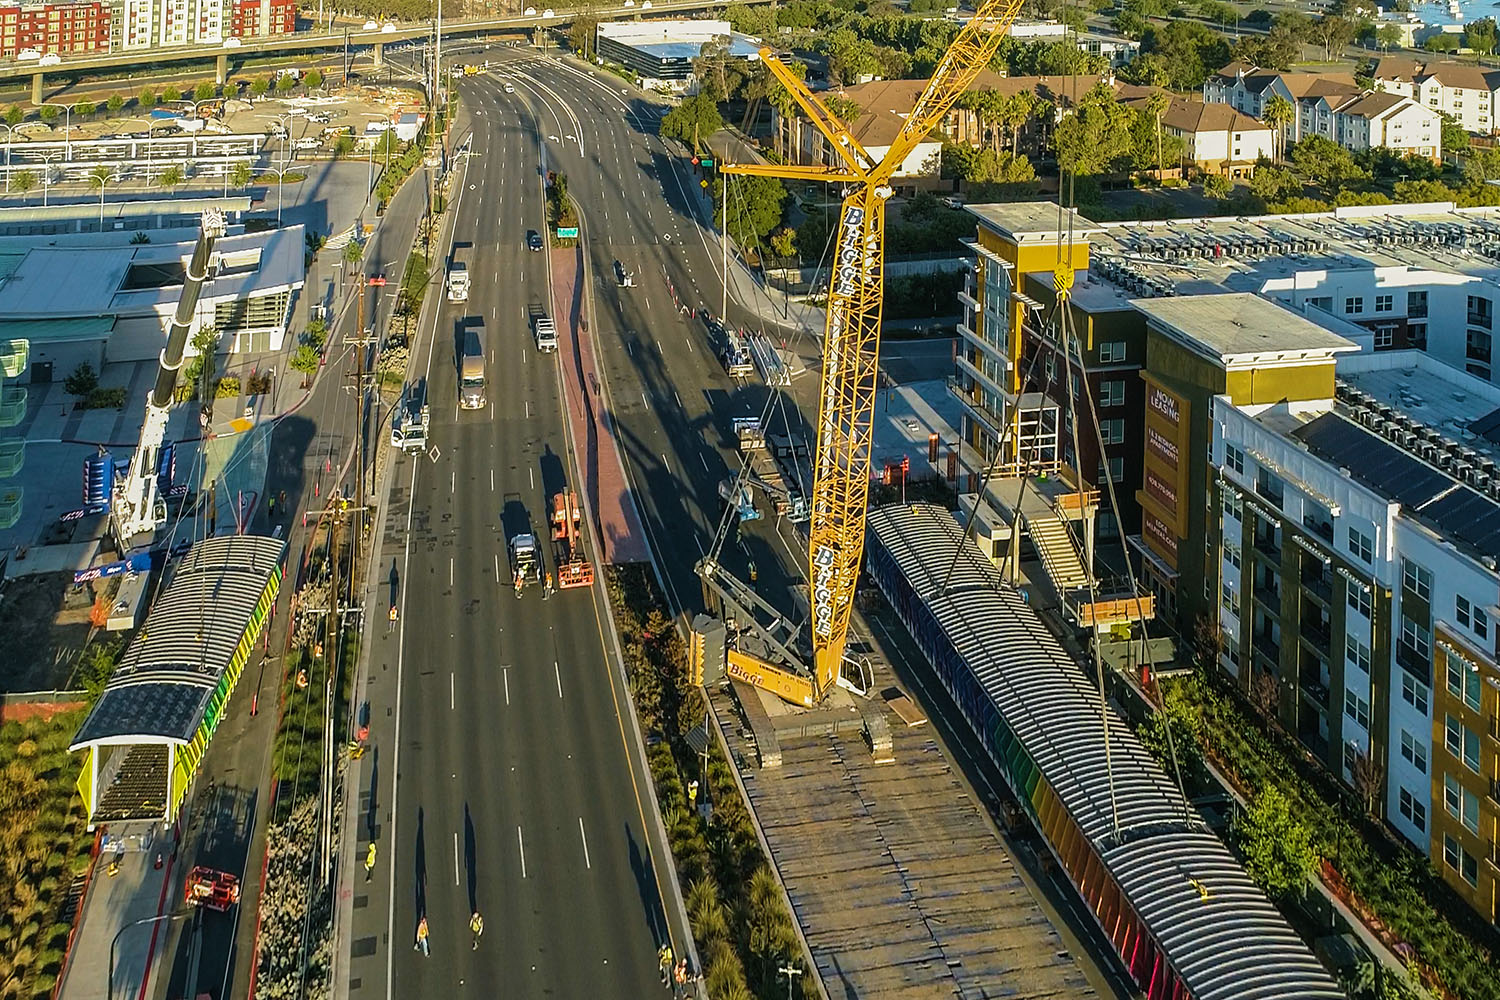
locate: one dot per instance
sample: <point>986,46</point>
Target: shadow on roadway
<point>471,855</point>
<point>645,884</point>
<point>419,871</point>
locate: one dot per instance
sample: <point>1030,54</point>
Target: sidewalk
<point>118,924</point>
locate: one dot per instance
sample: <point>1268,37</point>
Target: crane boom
<point>851,337</point>
<point>135,507</point>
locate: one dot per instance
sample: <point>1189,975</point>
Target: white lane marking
<point>521,843</point>
<point>584,837</point>
<point>455,857</point>
<point>704,461</point>
<point>450,572</point>
<point>678,398</point>
<point>492,480</point>
<point>451,700</point>
<point>524,358</point>
<point>644,402</point>
<point>664,463</point>
<point>531,475</point>
<point>453,482</point>
<point>557,672</point>
<point>497,567</point>
<point>527,404</point>
<point>505,676</point>
<point>658,345</point>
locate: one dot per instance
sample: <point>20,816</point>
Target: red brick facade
<point>63,28</point>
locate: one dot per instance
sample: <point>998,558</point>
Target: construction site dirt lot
<point>898,877</point>
<point>44,623</point>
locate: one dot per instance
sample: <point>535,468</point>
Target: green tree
<point>1443,41</point>
<point>304,360</point>
<point>1146,70</point>
<point>316,334</point>
<point>1335,33</point>
<point>95,666</point>
<point>755,207</point>
<point>230,90</point>
<point>354,252</point>
<point>1279,851</point>
<point>1216,186</point>
<point>82,381</point>
<point>259,87</point>
<point>171,93</point>
<point>343,146</point>
<point>1418,192</point>
<point>1455,136</point>
<point>1130,24</point>
<point>84,109</point>
<point>1388,36</point>
<point>115,103</point>
<point>312,79</point>
<point>204,92</point>
<point>1190,49</point>
<point>240,174</point>
<point>51,112</point>
<point>784,242</point>
<point>284,83</point>
<point>1326,163</point>
<point>171,177</point>
<point>1096,138</point>
<point>581,34</point>
<point>146,99</point>
<point>1278,113</point>
<point>1480,35</point>
<point>14,115</point>
<point>1275,184</point>
<point>845,109</point>
<point>1481,164</point>
<point>692,122</point>
<point>23,181</point>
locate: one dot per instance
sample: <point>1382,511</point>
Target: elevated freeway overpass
<point>324,41</point>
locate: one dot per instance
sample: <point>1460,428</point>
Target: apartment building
<point>63,28</point>
<point>146,24</point>
<point>1116,50</point>
<point>1464,92</point>
<point>1216,138</point>
<point>885,104</point>
<point>1377,120</point>
<point>1355,548</point>
<point>1248,89</point>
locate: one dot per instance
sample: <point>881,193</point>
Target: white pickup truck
<point>458,282</point>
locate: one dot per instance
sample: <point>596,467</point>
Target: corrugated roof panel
<point>163,682</point>
<point>1230,944</point>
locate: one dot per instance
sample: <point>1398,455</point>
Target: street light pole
<point>110,972</point>
<point>791,972</point>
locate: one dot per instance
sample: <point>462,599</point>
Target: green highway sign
<point>567,232</point>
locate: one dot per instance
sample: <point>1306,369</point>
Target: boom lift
<point>567,521</point>
<point>851,345</point>
<point>136,506</point>
<point>211,888</point>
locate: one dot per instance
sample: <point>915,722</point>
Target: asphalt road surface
<point>500,717</point>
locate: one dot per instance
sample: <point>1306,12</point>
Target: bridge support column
<point>36,88</point>
<point>221,69</point>
<point>379,56</point>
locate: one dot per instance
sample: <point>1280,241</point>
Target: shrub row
<point>739,920</point>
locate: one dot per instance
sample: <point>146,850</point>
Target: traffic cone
<point>157,865</point>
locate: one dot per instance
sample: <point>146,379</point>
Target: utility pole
<point>437,59</point>
<point>724,240</point>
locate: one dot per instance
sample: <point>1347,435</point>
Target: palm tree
<point>1015,112</point>
<point>1156,106</point>
<point>1278,114</point>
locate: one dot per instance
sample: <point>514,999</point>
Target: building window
<point>1358,598</point>
<point>1416,305</point>
<point>1357,653</point>
<point>1111,351</point>
<point>1232,554</point>
<point>1417,579</point>
<point>1413,692</point>
<point>1385,336</point>
<point>1115,470</point>
<point>1234,459</point>
<point>1234,506</point>
<point>1416,336</point>
<point>1112,430</point>
<point>1231,599</point>
<point>1463,682</point>
<point>1416,636</point>
<point>1460,860</point>
<point>1112,392</point>
<point>1357,708</point>
<point>1413,810</point>
<point>1414,750</point>
<point>1361,545</point>
<point>1462,742</point>
<point>1383,303</point>
<point>1472,617</point>
<point>1354,306</point>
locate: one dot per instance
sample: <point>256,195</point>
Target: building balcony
<point>1318,636</point>
<point>1495,791</point>
<point>1268,545</point>
<point>1479,319</point>
<point>966,296</point>
<point>1319,587</point>
<point>1316,692</point>
<point>1269,598</point>
<point>14,355</point>
<point>1267,648</point>
<point>968,366</point>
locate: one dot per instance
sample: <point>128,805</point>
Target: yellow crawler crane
<point>851,349</point>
